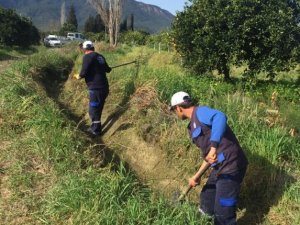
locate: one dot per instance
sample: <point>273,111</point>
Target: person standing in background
<point>93,70</point>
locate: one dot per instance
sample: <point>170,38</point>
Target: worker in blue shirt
<point>221,151</point>
<point>93,70</point>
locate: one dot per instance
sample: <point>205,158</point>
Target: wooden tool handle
<point>186,191</point>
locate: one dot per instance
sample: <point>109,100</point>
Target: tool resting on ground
<point>204,167</point>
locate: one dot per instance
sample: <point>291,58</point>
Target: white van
<point>76,36</point>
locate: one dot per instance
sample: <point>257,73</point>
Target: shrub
<point>17,30</point>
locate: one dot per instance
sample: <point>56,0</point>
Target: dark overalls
<point>94,69</point>
<point>97,99</point>
<point>218,198</point>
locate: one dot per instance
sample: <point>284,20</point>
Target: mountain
<point>46,14</point>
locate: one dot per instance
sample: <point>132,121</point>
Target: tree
<point>267,36</point>
<point>71,18</point>
<point>94,24</point>
<point>110,12</point>
<point>127,24</point>
<point>134,37</point>
<point>63,13</point>
<point>130,22</point>
<point>99,25</point>
<point>212,35</point>
<point>89,25</point>
<point>67,27</point>
<point>17,30</point>
<point>123,26</point>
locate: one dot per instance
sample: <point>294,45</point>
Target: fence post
<point>159,47</point>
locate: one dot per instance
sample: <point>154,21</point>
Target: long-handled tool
<point>186,191</point>
<point>204,168</point>
<point>178,198</point>
<point>76,76</point>
<point>124,64</point>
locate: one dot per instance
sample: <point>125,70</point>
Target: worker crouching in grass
<point>221,151</point>
<point>93,70</point>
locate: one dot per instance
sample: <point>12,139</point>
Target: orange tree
<point>262,34</point>
<point>16,30</point>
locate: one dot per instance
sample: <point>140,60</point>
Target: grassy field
<point>52,173</point>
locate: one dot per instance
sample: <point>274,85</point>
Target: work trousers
<point>219,196</point>
<point>97,99</point>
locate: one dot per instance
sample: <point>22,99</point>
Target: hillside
<point>46,14</point>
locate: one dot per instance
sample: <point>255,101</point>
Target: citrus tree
<point>262,34</point>
<point>17,30</point>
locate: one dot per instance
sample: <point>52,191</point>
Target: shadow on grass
<point>4,57</point>
<point>102,156</point>
<point>123,106</point>
<point>263,187</point>
<point>8,53</point>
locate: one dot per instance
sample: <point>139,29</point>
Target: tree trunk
<point>110,12</point>
<point>226,73</point>
<point>223,67</point>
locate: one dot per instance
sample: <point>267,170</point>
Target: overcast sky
<point>171,5</point>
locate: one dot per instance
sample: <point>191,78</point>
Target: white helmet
<point>179,98</point>
<point>87,45</point>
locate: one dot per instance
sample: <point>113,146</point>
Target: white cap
<point>87,45</point>
<point>180,97</point>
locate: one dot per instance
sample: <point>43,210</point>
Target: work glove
<point>76,76</point>
<point>108,69</point>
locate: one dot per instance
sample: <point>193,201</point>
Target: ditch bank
<point>122,122</point>
<point>136,128</point>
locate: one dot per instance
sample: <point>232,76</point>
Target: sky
<point>171,5</point>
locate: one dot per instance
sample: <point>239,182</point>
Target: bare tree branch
<point>110,12</point>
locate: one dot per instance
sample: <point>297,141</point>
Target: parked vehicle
<point>76,36</point>
<point>46,42</point>
<point>54,42</point>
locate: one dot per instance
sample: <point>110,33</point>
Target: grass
<point>47,165</point>
<point>272,151</point>
<point>10,53</point>
<point>52,178</point>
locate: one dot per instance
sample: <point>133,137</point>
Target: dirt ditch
<point>147,160</point>
<point>154,167</point>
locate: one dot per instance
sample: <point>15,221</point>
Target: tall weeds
<point>46,161</point>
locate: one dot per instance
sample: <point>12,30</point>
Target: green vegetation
<point>47,163</point>
<point>213,35</point>
<point>271,148</point>
<point>17,30</point>
<point>7,53</point>
<point>51,173</point>
<point>94,24</point>
<point>134,37</point>
<point>71,24</point>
